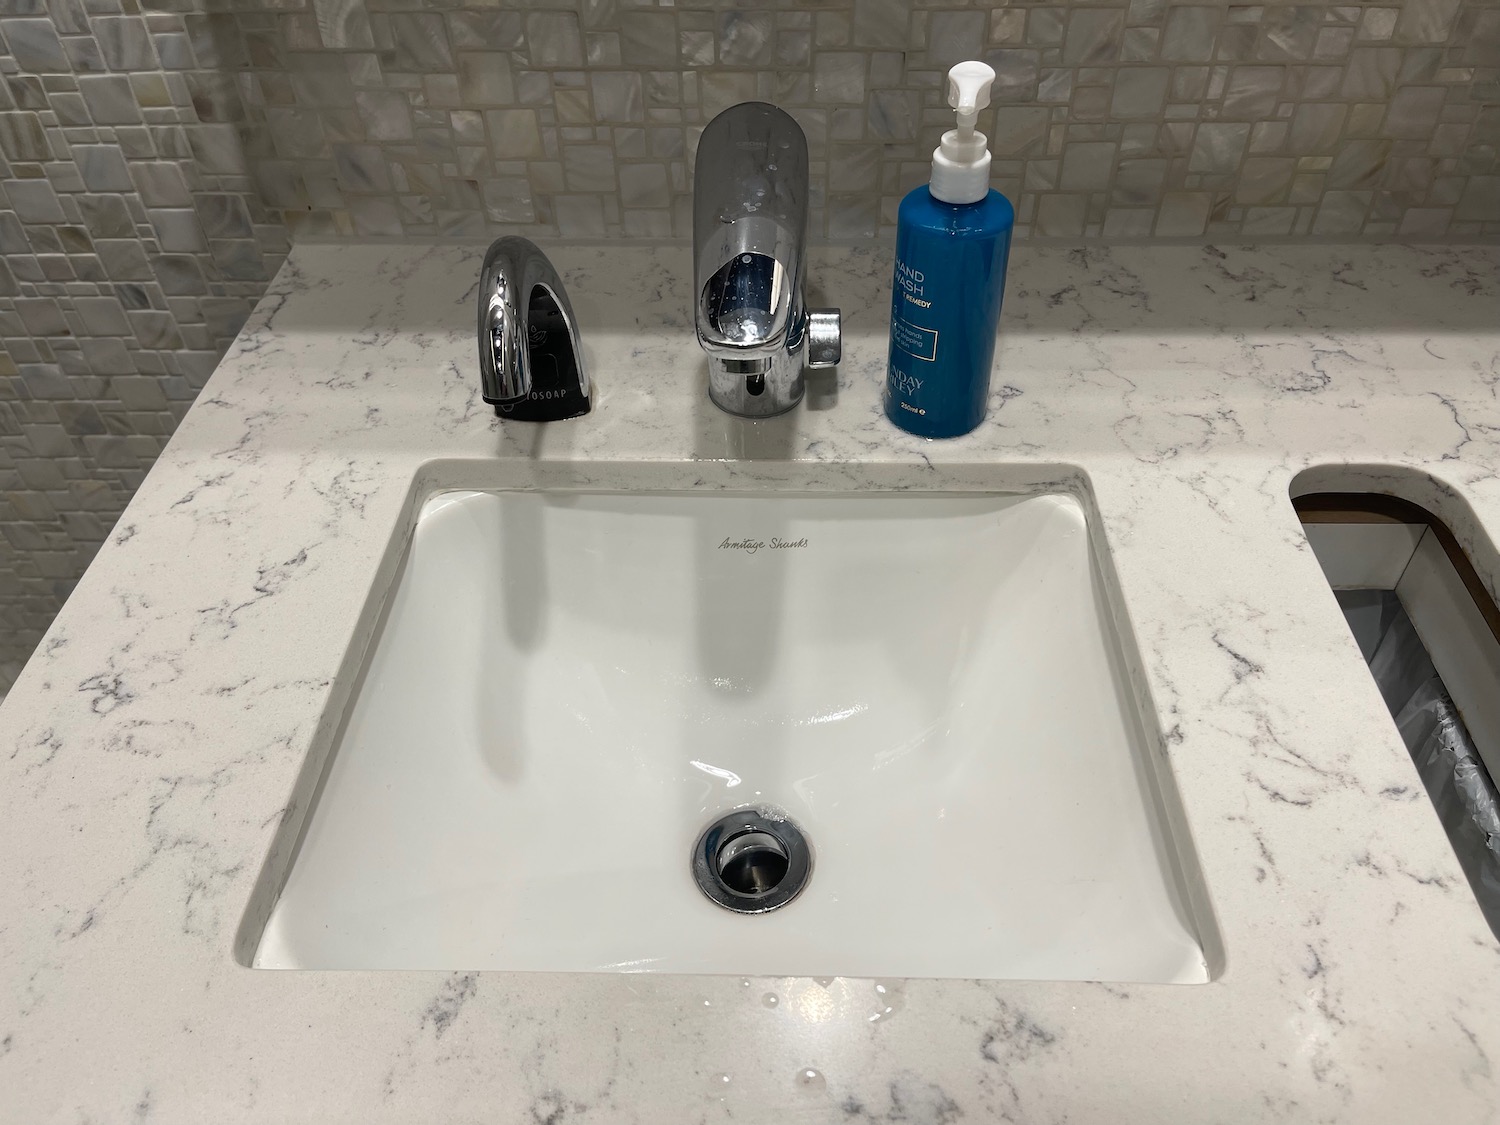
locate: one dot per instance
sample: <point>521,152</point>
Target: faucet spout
<point>530,361</point>
<point>750,188</point>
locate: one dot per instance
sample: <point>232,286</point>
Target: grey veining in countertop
<point>151,750</point>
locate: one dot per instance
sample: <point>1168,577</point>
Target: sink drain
<point>750,863</point>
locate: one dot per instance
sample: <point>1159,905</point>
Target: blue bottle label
<point>900,388</point>
<point>912,283</point>
<point>914,340</point>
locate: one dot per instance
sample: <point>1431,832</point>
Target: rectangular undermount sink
<point>568,688</point>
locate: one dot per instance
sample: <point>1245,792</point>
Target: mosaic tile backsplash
<point>157,157</point>
<point>132,247</point>
<point>1119,120</point>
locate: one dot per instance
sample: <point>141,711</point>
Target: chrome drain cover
<point>751,863</point>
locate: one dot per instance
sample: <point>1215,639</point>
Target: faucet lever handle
<point>825,345</point>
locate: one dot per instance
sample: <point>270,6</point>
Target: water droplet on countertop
<point>770,999</point>
<point>719,1081</point>
<point>823,981</point>
<point>890,998</point>
<point>744,982</point>
<point>811,1080</point>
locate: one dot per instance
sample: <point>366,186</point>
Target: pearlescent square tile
<point>1183,214</point>
<point>839,76</point>
<point>1139,91</point>
<point>1218,147</point>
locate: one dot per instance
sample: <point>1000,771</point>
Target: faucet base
<point>536,408</point>
<point>556,391</point>
<point>759,389</point>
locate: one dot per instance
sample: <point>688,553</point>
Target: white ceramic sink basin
<point>569,687</point>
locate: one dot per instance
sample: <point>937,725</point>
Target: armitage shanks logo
<point>750,546</point>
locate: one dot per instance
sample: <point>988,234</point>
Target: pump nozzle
<point>961,163</point>
<point>969,91</point>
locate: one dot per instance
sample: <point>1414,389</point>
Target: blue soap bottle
<point>952,245</point>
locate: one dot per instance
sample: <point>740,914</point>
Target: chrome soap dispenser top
<point>749,234</point>
<point>530,362</point>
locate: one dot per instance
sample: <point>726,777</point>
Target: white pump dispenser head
<point>961,163</point>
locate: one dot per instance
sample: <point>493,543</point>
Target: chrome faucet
<point>530,362</point>
<point>749,235</point>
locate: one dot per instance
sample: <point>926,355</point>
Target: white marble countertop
<point>149,752</point>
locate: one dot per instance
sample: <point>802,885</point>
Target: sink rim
<point>771,479</point>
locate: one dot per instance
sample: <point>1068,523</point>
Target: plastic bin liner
<point>1461,788</point>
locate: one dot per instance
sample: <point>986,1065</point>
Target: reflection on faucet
<point>749,234</point>
<point>530,362</point>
